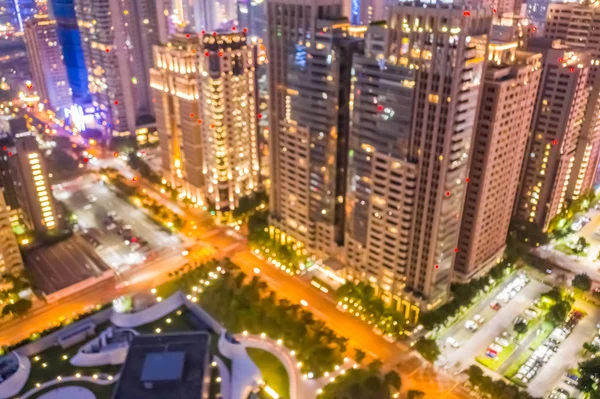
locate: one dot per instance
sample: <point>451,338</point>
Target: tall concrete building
<point>292,27</point>
<point>416,94</point>
<point>229,108</point>
<point>314,162</point>
<point>10,257</point>
<point>33,188</point>
<point>115,57</point>
<point>577,25</point>
<point>46,62</point>
<point>207,116</point>
<point>552,173</point>
<point>175,82</point>
<point>363,12</point>
<point>507,103</point>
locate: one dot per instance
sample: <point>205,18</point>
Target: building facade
<point>207,116</point>
<point>63,11</point>
<point>45,56</point>
<point>551,164</point>
<point>175,83</point>
<point>116,62</point>
<point>34,193</point>
<point>576,25</point>
<point>413,124</point>
<point>230,118</point>
<point>507,103</point>
<point>292,26</point>
<point>10,257</point>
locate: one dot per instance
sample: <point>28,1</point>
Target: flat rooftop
<point>165,366</point>
<point>58,266</point>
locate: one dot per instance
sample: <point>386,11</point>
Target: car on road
<point>501,341</point>
<point>471,325</point>
<point>452,342</point>
<point>571,379</point>
<point>479,319</point>
<point>559,393</point>
<point>495,305</point>
<point>92,198</point>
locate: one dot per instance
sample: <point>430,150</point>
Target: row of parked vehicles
<point>547,349</point>
<point>114,222</point>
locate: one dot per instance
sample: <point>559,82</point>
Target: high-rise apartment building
<point>46,62</point>
<point>507,103</point>
<point>363,12</point>
<point>552,172</point>
<point>293,25</point>
<point>229,110</point>
<point>175,82</point>
<point>576,25</point>
<point>315,146</point>
<point>115,57</point>
<point>415,102</point>
<point>207,117</point>
<point>33,188</point>
<point>252,14</point>
<point>63,11</point>
<point>10,257</point>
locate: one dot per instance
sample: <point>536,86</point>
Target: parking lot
<point>122,234</point>
<point>554,373</point>
<point>476,343</point>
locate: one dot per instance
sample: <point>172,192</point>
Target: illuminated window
<point>434,98</point>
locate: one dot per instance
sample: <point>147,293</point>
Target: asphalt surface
<point>58,266</point>
<point>474,344</point>
<point>91,201</point>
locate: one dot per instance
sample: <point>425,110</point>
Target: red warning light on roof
<point>455,249</point>
<point>467,180</point>
<point>206,53</point>
<point>220,54</point>
<point>116,102</point>
<point>108,50</point>
<point>203,31</point>
<point>495,10</point>
<point>259,116</point>
<point>199,121</point>
<point>447,193</point>
<point>554,142</point>
<point>135,178</point>
<point>571,69</point>
<point>192,115</point>
<point>115,154</point>
<point>467,13</point>
<point>214,33</point>
<point>561,60</point>
<point>534,28</point>
<point>380,108</point>
<point>233,28</point>
<point>245,30</point>
<point>437,266</point>
<point>187,35</point>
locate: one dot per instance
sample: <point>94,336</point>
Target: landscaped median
<point>273,372</point>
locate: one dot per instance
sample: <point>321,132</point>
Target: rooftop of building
<point>166,366</point>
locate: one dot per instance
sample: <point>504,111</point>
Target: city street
<point>474,344</point>
<point>90,201</point>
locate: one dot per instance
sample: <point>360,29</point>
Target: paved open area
<point>473,344</point>
<point>93,203</point>
<point>585,263</point>
<point>61,265</point>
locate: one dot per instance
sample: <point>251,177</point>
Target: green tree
<point>582,281</point>
<point>590,347</point>
<point>428,349</point>
<point>18,308</point>
<point>558,313</point>
<point>581,245</point>
<point>415,394</point>
<point>520,327</point>
<point>359,355</point>
<point>392,379</point>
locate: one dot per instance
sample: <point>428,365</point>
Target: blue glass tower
<point>70,41</point>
